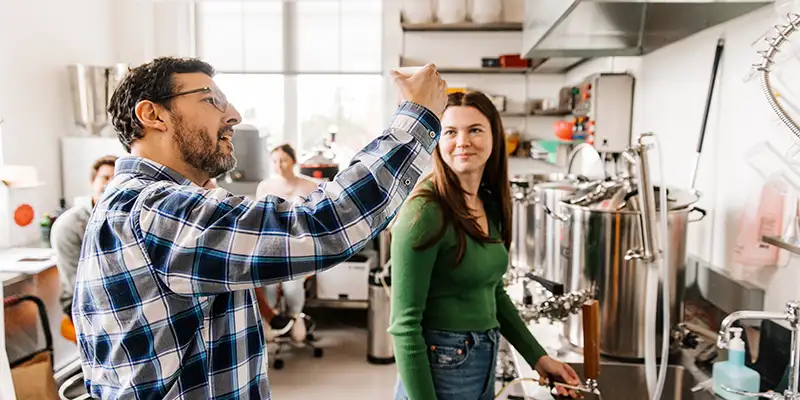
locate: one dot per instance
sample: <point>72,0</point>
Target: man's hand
<point>425,88</point>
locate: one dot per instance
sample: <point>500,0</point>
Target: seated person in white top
<point>284,184</point>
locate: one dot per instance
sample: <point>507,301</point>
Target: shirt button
<point>432,134</point>
<point>408,181</point>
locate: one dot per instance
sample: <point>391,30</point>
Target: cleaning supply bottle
<point>762,216</point>
<point>733,373</point>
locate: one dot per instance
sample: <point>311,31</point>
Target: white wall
<point>38,39</point>
<point>670,95</point>
<point>145,29</point>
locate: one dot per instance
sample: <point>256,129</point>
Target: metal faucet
<point>791,316</point>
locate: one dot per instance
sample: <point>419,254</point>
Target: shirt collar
<point>150,169</point>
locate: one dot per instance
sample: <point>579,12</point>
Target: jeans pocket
<point>447,357</point>
<point>447,351</point>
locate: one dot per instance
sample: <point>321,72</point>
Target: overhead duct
<point>600,28</point>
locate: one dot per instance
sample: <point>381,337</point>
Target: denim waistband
<point>476,336</point>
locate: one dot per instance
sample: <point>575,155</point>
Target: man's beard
<point>197,149</point>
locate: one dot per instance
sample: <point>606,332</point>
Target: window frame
<point>290,72</point>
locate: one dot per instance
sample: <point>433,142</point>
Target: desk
<point>40,279</point>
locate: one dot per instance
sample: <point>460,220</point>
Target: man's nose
<point>233,117</point>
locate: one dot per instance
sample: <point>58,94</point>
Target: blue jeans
<point>462,364</point>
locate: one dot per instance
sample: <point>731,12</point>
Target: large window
<point>298,69</point>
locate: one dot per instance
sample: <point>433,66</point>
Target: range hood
<point>600,28</point>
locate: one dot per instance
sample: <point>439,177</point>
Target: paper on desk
<point>19,176</point>
<point>27,260</point>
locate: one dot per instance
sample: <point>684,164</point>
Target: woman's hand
<point>559,371</point>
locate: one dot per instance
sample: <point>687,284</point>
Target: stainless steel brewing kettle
<point>533,234</point>
<point>601,227</point>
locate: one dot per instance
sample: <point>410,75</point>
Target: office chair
<point>285,341</point>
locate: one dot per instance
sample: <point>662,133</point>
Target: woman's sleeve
<point>411,277</point>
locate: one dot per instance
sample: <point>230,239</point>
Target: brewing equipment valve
<point>791,316</point>
<point>557,307</point>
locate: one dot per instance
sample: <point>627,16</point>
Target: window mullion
<point>291,129</point>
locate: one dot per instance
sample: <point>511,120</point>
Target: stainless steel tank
<point>534,244</point>
<point>547,229</point>
<point>595,240</point>
<point>91,88</point>
<point>380,347</point>
<point>252,155</point>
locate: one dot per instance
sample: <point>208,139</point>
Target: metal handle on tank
<point>637,155</point>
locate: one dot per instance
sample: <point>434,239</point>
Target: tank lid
<point>623,195</point>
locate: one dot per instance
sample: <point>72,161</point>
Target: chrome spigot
<point>592,386</point>
<point>790,315</point>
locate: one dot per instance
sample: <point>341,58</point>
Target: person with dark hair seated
<point>286,185</point>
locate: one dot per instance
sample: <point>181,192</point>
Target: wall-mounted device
<point>603,108</point>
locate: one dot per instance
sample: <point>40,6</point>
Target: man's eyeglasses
<point>217,100</point>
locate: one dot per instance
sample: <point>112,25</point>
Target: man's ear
<point>151,115</point>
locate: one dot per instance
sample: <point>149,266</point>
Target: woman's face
<point>466,141</point>
<point>281,162</point>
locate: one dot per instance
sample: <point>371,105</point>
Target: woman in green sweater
<point>449,253</point>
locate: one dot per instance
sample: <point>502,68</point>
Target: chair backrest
<point>25,316</point>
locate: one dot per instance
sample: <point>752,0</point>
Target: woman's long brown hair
<point>450,196</point>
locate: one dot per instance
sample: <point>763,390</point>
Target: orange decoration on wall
<point>23,215</point>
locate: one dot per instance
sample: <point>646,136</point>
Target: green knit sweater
<point>428,292</point>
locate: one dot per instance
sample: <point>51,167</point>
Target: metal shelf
<point>479,70</point>
<point>404,62</point>
<point>463,27</point>
<point>552,113</point>
<point>525,115</point>
<point>780,243</point>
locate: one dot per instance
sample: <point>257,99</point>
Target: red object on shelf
<point>563,129</point>
<point>514,61</point>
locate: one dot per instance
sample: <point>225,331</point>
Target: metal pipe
<point>784,31</point>
<point>646,198</point>
<point>724,330</point>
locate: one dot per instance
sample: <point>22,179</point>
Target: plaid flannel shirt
<point>164,304</point>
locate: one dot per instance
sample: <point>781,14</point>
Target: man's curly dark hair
<point>150,81</point>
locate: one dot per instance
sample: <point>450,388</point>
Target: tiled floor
<point>342,373</point>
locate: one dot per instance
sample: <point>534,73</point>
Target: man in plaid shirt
<point>164,304</point>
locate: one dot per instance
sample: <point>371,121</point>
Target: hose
<point>652,298</point>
